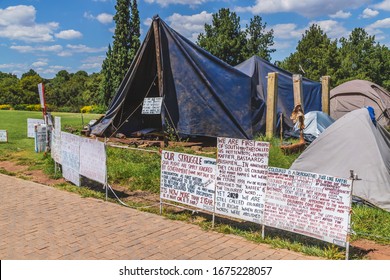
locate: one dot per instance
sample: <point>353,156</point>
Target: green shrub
<point>5,107</point>
<point>34,107</point>
<point>86,109</point>
<point>95,109</point>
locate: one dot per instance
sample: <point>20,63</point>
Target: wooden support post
<point>272,97</point>
<point>325,80</point>
<point>158,56</point>
<point>298,91</point>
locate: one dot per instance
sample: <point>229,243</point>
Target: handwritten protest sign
<point>30,126</point>
<point>56,140</point>
<point>70,157</point>
<point>152,106</point>
<point>242,177</point>
<point>311,204</point>
<point>93,160</point>
<point>188,179</point>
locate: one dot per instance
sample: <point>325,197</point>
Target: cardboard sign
<point>152,106</point>
<point>70,157</point>
<point>188,179</point>
<point>3,136</point>
<point>30,126</point>
<point>242,178</point>
<point>311,204</point>
<point>93,160</point>
<point>56,140</point>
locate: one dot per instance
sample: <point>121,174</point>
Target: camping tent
<point>202,95</point>
<point>258,69</point>
<point>353,143</point>
<point>356,94</point>
<point>315,123</point>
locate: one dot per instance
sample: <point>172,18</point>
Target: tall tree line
<point>125,45</point>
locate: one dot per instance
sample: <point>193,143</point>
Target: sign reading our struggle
<point>311,204</point>
<point>152,106</point>
<point>242,178</point>
<point>3,136</point>
<point>188,179</point>
<point>70,157</point>
<point>93,160</point>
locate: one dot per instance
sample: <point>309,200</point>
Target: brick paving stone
<point>41,222</point>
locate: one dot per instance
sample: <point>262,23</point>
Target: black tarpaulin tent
<point>202,96</point>
<point>258,69</point>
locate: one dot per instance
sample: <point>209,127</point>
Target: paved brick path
<point>41,222</point>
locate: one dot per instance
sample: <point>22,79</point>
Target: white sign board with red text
<point>188,179</point>
<point>314,205</point>
<point>242,167</point>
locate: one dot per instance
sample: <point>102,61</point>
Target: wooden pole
<point>158,56</point>
<point>272,97</point>
<point>325,80</point>
<point>298,91</point>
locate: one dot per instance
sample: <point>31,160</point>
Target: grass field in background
<point>138,170</point>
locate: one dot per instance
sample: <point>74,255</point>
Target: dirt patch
<point>373,251</point>
<point>11,166</point>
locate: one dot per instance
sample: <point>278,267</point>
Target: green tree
<point>28,85</point>
<point>135,31</point>
<point>107,89</point>
<point>122,42</point>
<point>259,40</point>
<point>9,89</point>
<point>224,37</point>
<point>316,55</point>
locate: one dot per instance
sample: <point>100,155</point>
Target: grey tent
<point>258,69</point>
<point>356,94</point>
<point>315,123</point>
<point>353,143</point>
<point>202,95</point>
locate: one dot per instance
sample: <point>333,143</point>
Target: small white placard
<point>30,126</point>
<point>3,136</point>
<point>93,160</point>
<point>152,106</point>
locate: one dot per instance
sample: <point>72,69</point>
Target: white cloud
<point>341,14</point>
<point>385,5</point>
<point>84,49</point>
<point>308,8</point>
<point>18,23</point>
<point>369,13</point>
<point>35,49</point>
<point>103,18</point>
<point>287,31</point>
<point>375,28</point>
<point>332,28</point>
<point>13,66</point>
<point>190,26</point>
<point>165,3</point>
<point>40,63</point>
<point>69,34</point>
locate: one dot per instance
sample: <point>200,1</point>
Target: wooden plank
<point>325,80</point>
<point>298,91</point>
<point>158,56</point>
<point>272,97</point>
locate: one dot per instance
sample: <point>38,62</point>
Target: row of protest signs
<point>78,155</point>
<point>239,184</point>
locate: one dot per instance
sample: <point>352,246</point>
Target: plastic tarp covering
<point>315,123</point>
<point>203,96</point>
<point>258,69</point>
<point>353,143</point>
<point>356,94</point>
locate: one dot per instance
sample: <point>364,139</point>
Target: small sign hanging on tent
<point>152,106</point>
<point>3,136</point>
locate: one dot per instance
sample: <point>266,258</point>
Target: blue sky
<point>52,35</point>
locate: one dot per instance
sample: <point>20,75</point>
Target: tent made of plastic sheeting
<point>353,143</point>
<point>202,95</point>
<point>356,94</point>
<point>315,123</point>
<point>258,69</point>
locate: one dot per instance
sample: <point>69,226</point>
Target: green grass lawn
<point>137,170</point>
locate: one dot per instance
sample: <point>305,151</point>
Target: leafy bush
<point>5,107</point>
<point>95,109</point>
<point>33,107</point>
<point>86,109</point>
